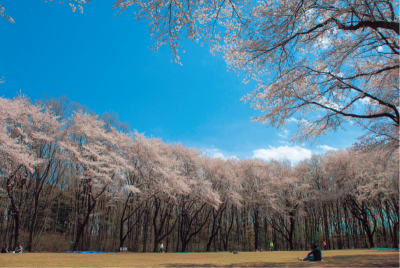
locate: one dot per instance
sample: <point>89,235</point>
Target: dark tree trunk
<point>17,228</point>
<point>291,233</point>
<point>163,210</point>
<point>146,224</point>
<point>225,235</point>
<point>256,227</point>
<point>15,182</point>
<point>326,226</point>
<point>396,235</point>
<point>33,223</point>
<point>81,227</point>
<point>266,233</point>
<point>186,229</point>
<point>214,229</point>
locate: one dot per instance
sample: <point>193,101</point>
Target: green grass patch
<point>337,258</point>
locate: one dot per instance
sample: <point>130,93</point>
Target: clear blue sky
<point>104,62</point>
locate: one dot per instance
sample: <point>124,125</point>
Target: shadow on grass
<point>385,260</point>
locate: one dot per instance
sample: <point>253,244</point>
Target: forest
<point>74,180</point>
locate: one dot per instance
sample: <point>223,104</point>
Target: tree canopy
<point>323,64</point>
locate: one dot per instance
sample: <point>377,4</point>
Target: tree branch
<point>394,26</point>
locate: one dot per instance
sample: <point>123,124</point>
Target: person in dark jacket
<point>314,255</point>
<point>5,249</point>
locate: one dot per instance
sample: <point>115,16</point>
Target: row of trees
<point>82,181</point>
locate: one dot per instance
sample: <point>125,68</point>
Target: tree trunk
<point>396,235</point>
<point>326,227</point>
<point>214,230</point>
<point>145,232</point>
<point>291,232</point>
<point>256,227</point>
<point>81,227</point>
<point>266,234</point>
<point>33,223</point>
<point>17,228</point>
<point>370,237</point>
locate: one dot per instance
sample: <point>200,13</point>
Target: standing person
<point>161,247</point>
<point>324,245</point>
<point>5,249</point>
<point>271,246</point>
<point>19,249</point>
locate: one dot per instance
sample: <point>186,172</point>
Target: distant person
<point>314,255</point>
<point>271,246</point>
<point>19,249</point>
<point>235,251</point>
<point>5,249</point>
<point>324,245</point>
<point>161,247</point>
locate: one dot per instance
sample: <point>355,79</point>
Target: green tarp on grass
<point>383,249</point>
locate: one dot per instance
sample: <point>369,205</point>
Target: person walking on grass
<point>161,247</point>
<point>324,245</point>
<point>271,246</point>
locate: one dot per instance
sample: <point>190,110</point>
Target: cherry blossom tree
<point>97,157</point>
<point>338,59</point>
<point>322,64</point>
<point>156,170</point>
<point>225,176</point>
<point>364,183</point>
<point>257,191</point>
<point>341,168</point>
<point>25,129</point>
<point>47,174</point>
<point>322,190</point>
<point>287,201</point>
<point>194,207</point>
<point>377,184</point>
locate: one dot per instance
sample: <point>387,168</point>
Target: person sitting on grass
<point>314,255</point>
<point>19,249</point>
<point>5,249</point>
<point>235,251</point>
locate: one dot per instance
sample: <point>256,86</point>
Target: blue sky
<point>104,62</point>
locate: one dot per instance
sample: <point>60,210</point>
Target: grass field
<point>342,258</point>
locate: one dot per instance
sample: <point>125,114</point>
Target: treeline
<point>72,180</point>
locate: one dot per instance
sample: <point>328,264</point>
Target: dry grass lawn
<point>339,258</point>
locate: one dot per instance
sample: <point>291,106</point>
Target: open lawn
<point>342,258</point>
